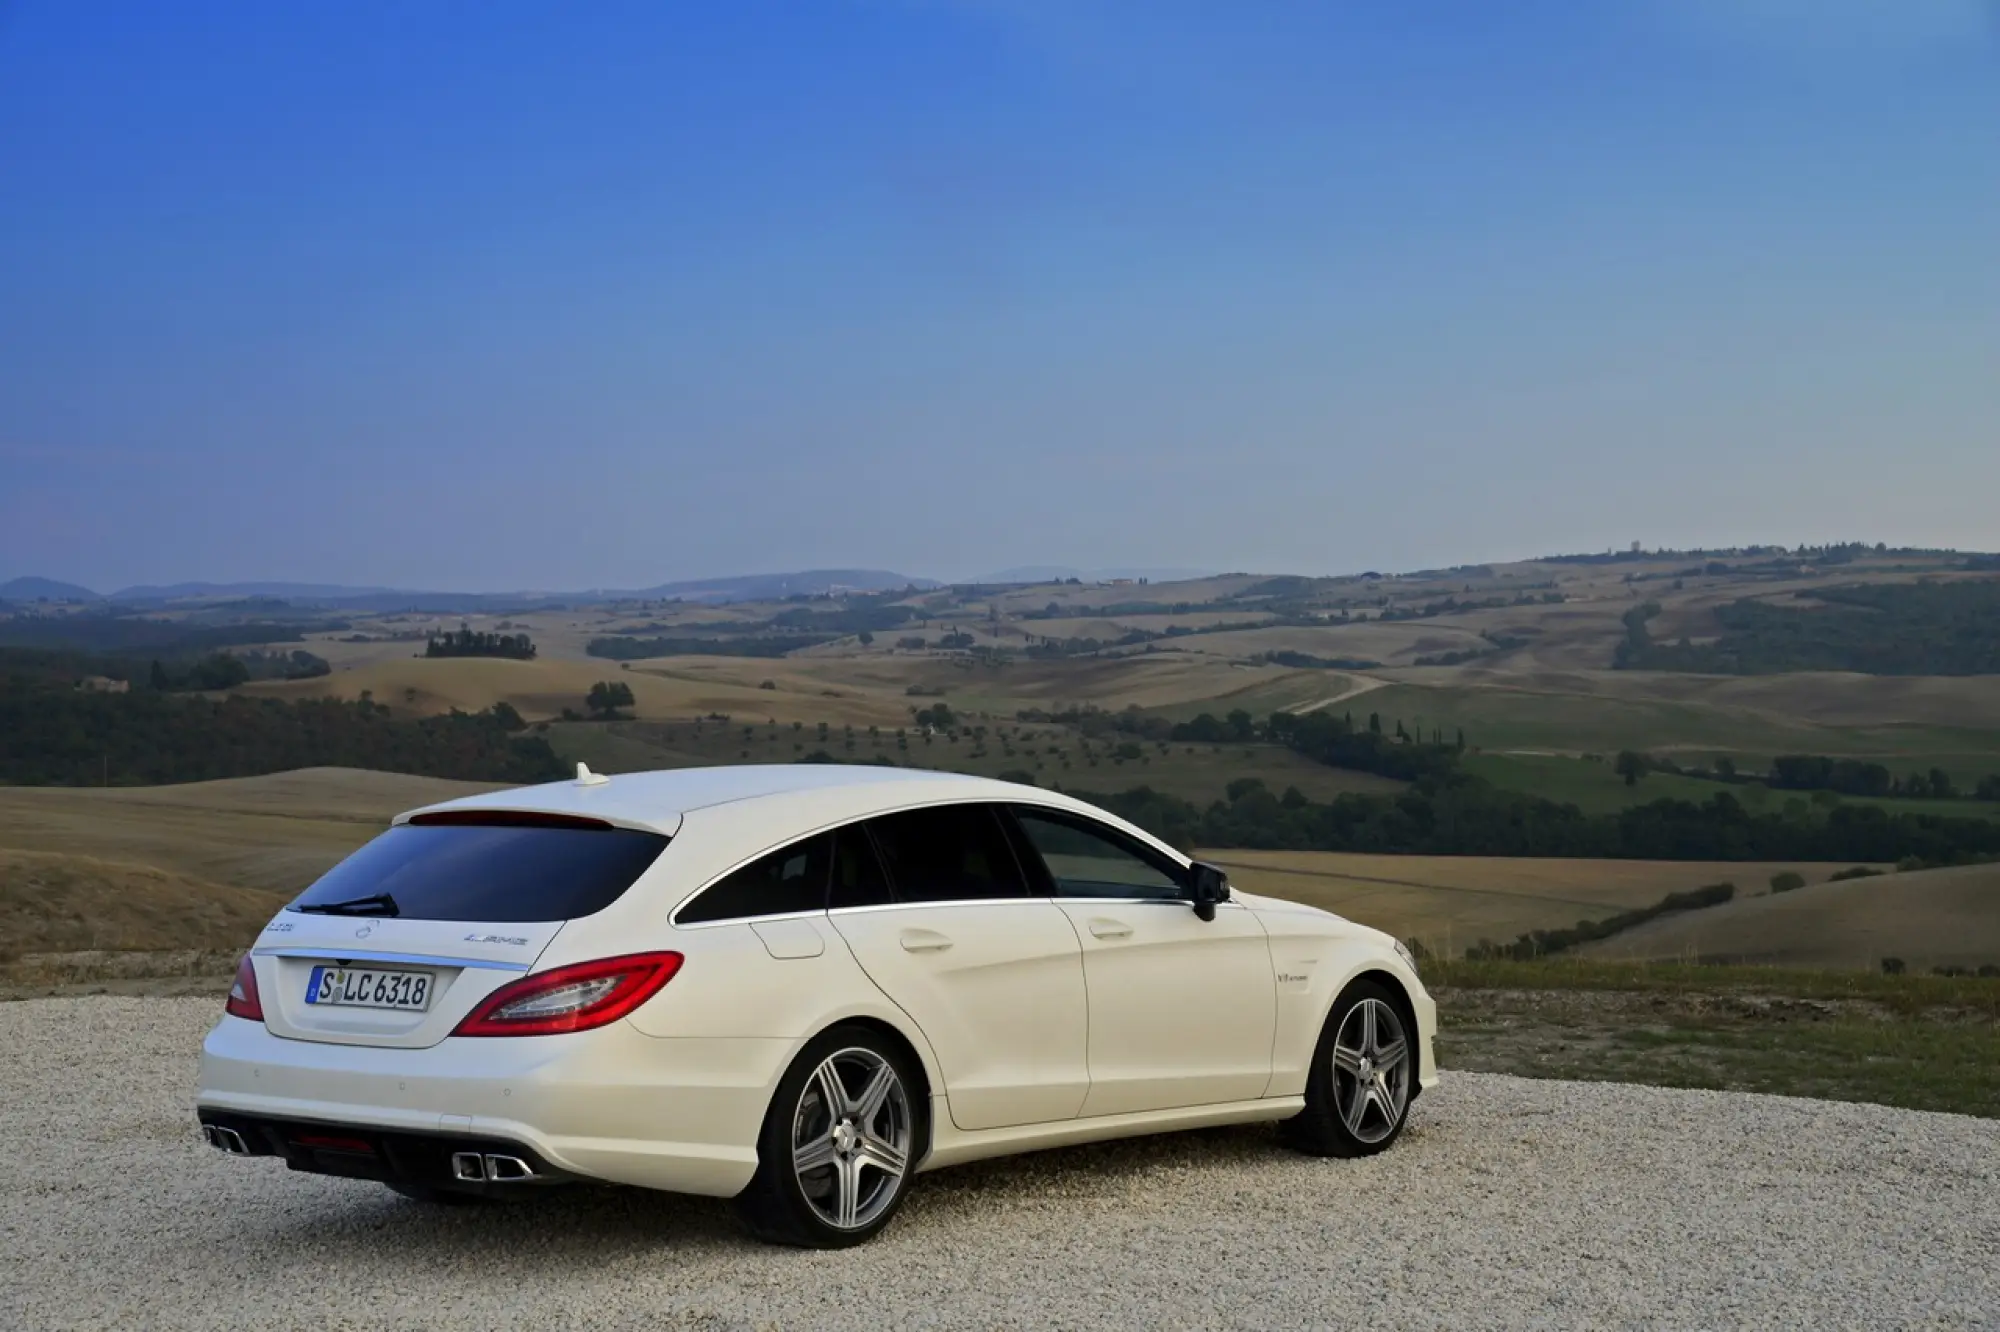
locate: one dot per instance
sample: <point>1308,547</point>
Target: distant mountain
<point>1056,573</point>
<point>236,591</point>
<point>341,596</point>
<point>39,589</point>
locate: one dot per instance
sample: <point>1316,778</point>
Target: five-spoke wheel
<point>838,1144</point>
<point>851,1137</point>
<point>1358,1090</point>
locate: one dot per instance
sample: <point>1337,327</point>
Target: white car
<point>794,986</point>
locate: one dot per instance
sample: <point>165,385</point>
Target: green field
<point>1594,787</point>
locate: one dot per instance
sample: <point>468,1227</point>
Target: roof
<point>657,800</point>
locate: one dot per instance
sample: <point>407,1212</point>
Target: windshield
<point>485,873</point>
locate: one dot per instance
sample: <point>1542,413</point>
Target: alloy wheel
<point>852,1135</point>
<point>1371,1070</point>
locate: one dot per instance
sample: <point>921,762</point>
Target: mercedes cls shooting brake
<point>792,986</point>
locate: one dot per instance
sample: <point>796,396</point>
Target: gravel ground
<point>1509,1203</point>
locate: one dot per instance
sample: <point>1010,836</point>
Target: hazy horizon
<point>529,296</point>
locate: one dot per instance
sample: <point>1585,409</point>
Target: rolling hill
<point>56,903</point>
<point>1928,918</point>
<point>36,589</point>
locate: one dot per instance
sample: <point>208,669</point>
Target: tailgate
<point>449,966</point>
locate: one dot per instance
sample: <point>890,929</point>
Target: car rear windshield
<point>486,873</point>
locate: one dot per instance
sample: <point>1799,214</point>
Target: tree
<point>607,696</point>
<point>1787,882</point>
<point>1631,765</point>
<point>1375,723</point>
<point>1941,786</point>
<point>864,638</point>
<point>1725,767</point>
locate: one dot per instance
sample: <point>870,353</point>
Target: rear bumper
<point>458,1162</point>
<point>613,1104</point>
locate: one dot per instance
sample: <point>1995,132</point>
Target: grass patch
<point>1593,787</point>
<point>1917,1042</point>
<point>1906,995</point>
<point>1946,1060</point>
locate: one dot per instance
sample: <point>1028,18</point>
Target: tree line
<point>1920,628</point>
<point>1337,742</point>
<point>164,674</point>
<point>1540,943</point>
<point>468,642</point>
<point>1459,814</point>
<point>126,634</point>
<point>64,737</point>
<point>1820,772</point>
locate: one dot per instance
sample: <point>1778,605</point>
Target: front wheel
<point>1363,1074</point>
<point>838,1143</point>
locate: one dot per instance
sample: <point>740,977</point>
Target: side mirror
<point>1210,885</point>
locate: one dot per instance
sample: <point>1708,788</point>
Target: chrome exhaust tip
<point>508,1169</point>
<point>225,1139</point>
<point>469,1167</point>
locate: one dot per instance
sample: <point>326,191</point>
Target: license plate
<point>354,988</point>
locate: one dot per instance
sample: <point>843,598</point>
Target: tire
<point>862,1152</point>
<point>1357,1100</point>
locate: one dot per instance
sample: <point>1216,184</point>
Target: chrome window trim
<point>745,920</point>
<point>943,904</point>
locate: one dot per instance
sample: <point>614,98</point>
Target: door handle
<point>1110,929</point>
<point>924,941</point>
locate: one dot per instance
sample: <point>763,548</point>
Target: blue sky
<point>497,295</point>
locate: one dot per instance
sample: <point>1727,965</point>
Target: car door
<point>992,976</point>
<point>1182,1009</point>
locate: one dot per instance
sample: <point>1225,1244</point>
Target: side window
<point>952,853</point>
<point>857,871</point>
<point>792,878</point>
<point>1088,860</point>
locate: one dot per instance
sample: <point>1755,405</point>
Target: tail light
<point>243,1000</point>
<point>573,998</point>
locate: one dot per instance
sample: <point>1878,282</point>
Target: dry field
<point>55,903</point>
<point>1395,643</point>
<point>274,834</point>
<point>870,689</point>
<point>542,688</point>
<point>1929,918</point>
<point>1451,902</point>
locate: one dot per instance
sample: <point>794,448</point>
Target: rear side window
<point>486,873</point>
<point>792,878</point>
<point>952,853</point>
<point>858,880</point>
